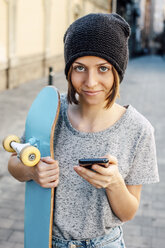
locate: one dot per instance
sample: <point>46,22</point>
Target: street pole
<point>51,76</point>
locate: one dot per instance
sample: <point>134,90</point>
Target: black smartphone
<point>88,162</point>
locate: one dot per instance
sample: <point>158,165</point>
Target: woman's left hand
<point>102,177</point>
<point>124,200</point>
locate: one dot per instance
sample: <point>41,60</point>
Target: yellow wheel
<point>7,142</point>
<point>30,156</point>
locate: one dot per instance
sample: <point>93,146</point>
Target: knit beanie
<point>101,35</point>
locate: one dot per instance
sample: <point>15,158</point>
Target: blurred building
<point>146,18</point>
<point>31,32</point>
<point>31,35</point>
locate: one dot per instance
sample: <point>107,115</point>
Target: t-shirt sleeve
<point>144,169</point>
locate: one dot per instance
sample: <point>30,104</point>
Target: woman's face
<point>92,78</point>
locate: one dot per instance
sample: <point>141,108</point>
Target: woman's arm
<point>124,199</point>
<point>18,170</point>
<point>45,173</point>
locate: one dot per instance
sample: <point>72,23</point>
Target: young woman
<point>91,205</point>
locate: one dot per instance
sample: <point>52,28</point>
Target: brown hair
<point>113,93</point>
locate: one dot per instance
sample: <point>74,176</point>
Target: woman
<point>91,205</point>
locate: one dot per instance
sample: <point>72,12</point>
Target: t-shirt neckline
<point>113,127</point>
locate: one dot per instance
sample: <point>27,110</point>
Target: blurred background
<point>31,56</point>
<point>31,32</point>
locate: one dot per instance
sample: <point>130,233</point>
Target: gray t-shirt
<point>81,210</point>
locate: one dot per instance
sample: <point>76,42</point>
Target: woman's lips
<point>92,93</point>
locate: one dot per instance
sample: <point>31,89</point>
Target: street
<point>143,87</point>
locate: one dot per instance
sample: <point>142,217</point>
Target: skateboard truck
<point>28,153</point>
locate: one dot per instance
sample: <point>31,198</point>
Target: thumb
<point>47,160</point>
<point>112,159</point>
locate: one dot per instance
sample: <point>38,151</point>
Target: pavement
<point>143,87</point>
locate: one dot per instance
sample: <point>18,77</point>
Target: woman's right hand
<point>46,173</point>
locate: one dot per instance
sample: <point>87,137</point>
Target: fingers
<point>48,160</point>
<point>102,169</point>
<point>99,173</point>
<point>49,182</point>
<point>47,173</point>
<point>105,171</point>
<point>94,178</point>
<point>47,164</point>
<point>112,159</point>
<point>101,176</point>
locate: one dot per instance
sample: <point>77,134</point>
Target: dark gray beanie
<point>101,35</point>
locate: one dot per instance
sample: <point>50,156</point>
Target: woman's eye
<point>103,69</point>
<point>79,68</point>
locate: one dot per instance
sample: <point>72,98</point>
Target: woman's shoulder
<point>137,120</point>
<point>63,96</point>
<point>63,100</point>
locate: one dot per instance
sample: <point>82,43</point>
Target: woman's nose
<point>91,80</point>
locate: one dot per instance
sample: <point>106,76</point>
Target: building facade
<point>31,35</point>
<point>147,21</point>
<point>31,32</point>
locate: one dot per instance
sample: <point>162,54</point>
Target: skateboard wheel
<point>7,142</point>
<point>30,156</point>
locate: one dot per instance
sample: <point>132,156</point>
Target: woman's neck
<point>94,113</point>
<point>93,118</point>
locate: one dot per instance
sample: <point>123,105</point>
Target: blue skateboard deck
<point>40,125</point>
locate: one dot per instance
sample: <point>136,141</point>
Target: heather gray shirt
<point>81,210</point>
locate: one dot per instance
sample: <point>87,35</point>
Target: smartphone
<point>88,162</point>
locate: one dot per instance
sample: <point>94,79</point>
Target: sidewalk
<point>143,87</point>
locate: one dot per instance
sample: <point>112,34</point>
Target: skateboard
<point>39,135</point>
